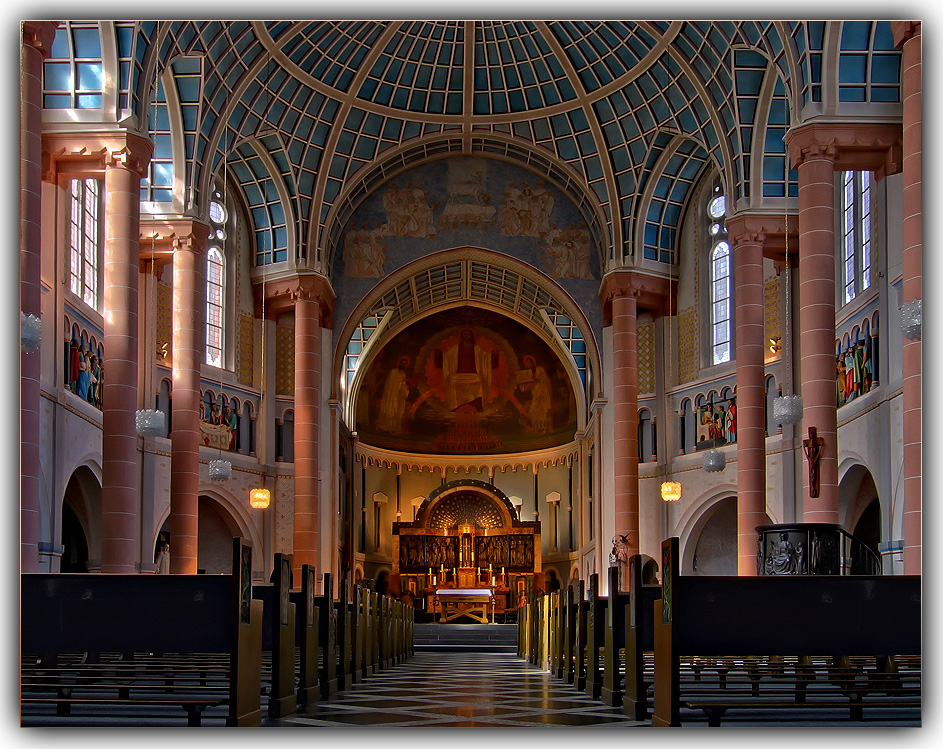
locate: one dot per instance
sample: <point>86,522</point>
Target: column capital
<point>904,31</point>
<point>39,35</point>
<point>650,292</point>
<point>88,155</point>
<point>162,237</point>
<point>769,231</point>
<point>851,146</point>
<point>281,295</point>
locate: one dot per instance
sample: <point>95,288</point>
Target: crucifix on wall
<point>814,447</point>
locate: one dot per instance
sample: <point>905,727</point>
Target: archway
<point>214,537</point>
<point>466,536</point>
<point>715,550</point>
<point>81,522</point>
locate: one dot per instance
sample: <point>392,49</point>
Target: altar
<point>457,602</point>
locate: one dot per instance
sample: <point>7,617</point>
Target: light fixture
<point>259,498</point>
<point>714,461</point>
<point>775,344</point>
<point>671,491</point>
<point>30,333</point>
<point>910,320</point>
<point>150,422</point>
<point>220,470</point>
<point>787,409</point>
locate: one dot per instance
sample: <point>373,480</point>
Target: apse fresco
<point>466,380</point>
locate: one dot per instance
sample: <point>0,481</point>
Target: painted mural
<point>466,380</point>
<point>473,202</point>
<point>854,369</point>
<point>717,424</point>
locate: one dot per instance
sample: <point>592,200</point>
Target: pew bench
<point>861,628</point>
<point>104,642</point>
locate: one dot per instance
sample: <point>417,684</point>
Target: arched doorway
<point>715,547</point>
<point>81,522</point>
<point>74,543</point>
<point>216,531</point>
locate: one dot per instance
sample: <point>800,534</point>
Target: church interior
<point>424,306</point>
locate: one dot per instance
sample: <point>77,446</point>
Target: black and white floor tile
<point>460,689</point>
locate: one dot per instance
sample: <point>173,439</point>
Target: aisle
<point>460,689</point>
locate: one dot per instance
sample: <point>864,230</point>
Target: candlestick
<point>479,571</point>
<point>435,581</point>
<point>492,581</point>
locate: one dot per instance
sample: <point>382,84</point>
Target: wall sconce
<point>775,344</point>
<point>260,498</point>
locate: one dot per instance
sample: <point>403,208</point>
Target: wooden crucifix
<point>814,448</point>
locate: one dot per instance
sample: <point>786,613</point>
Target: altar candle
<point>434,581</point>
<point>492,581</point>
<point>502,570</point>
<point>479,571</point>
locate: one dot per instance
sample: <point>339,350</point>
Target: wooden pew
<point>94,614</point>
<point>327,638</point>
<point>595,632</point>
<point>579,639</point>
<point>834,616</point>
<point>373,635</point>
<point>342,612</point>
<point>358,627</point>
<point>278,636</point>
<point>614,641</point>
<point>569,633</point>
<point>639,616</point>
<point>306,636</point>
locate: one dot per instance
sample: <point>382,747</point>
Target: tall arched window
<point>720,282</point>
<point>216,286</point>
<point>85,232</point>
<point>215,279</point>
<point>856,233</point>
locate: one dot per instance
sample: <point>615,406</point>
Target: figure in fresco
<point>840,380</point>
<point>408,213</point>
<point>393,401</point>
<point>525,211</point>
<point>84,377</point>
<point>230,422</point>
<point>364,253</point>
<point>850,381</point>
<point>95,376</point>
<point>534,378</point>
<point>731,425</point>
<point>466,372</point>
<point>468,204</point>
<point>567,252</point>
<point>73,366</point>
<point>214,430</point>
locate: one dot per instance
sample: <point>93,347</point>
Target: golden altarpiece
<point>466,538</point>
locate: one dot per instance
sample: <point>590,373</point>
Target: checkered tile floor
<point>460,689</point>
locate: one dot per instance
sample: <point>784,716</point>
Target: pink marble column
<point>189,352</point>
<point>307,430</point>
<point>817,324</point>
<point>909,38</point>
<point>625,415</point>
<point>751,387</point>
<point>37,37</point>
<point>120,469</point>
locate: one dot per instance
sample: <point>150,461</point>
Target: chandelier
<point>787,409</point>
<point>30,333</point>
<point>714,461</point>
<point>149,422</point>
<point>910,319</point>
<point>220,470</point>
<point>671,491</point>
<point>260,498</point>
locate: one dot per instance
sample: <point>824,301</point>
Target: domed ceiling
<point>623,116</point>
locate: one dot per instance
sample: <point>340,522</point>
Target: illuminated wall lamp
<point>775,344</point>
<point>259,498</point>
<point>671,491</point>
